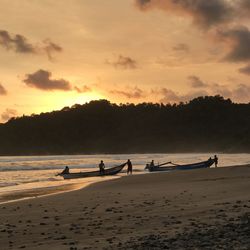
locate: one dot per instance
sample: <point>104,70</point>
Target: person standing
<point>215,161</point>
<point>102,167</point>
<point>130,167</point>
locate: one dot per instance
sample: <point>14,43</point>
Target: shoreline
<point>202,209</point>
<point>27,194</point>
<point>31,193</point>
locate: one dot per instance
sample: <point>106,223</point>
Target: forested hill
<point>205,124</point>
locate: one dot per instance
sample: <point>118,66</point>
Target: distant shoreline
<point>127,153</point>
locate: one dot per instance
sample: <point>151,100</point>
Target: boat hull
<point>198,165</point>
<point>108,171</point>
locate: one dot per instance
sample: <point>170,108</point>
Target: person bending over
<point>66,170</point>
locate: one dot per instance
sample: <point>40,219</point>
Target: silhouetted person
<point>215,161</point>
<point>130,167</point>
<point>152,164</point>
<point>66,170</point>
<point>102,167</point>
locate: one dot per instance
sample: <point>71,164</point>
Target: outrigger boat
<point>161,167</point>
<point>108,171</point>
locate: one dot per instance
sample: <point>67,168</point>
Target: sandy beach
<point>199,209</point>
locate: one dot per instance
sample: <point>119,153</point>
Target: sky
<point>59,53</point>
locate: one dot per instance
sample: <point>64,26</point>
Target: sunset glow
<point>56,54</point>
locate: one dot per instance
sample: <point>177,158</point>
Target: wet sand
<point>36,192</point>
<point>199,209</point>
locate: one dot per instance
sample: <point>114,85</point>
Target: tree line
<point>204,124</point>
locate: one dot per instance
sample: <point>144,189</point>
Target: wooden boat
<point>108,171</point>
<point>160,167</point>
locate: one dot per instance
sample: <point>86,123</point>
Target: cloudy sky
<point>58,53</point>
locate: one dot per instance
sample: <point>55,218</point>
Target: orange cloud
<point>3,91</point>
<point>182,47</point>
<point>124,62</point>
<point>170,96</point>
<point>245,70</point>
<point>133,93</point>
<point>196,82</point>
<point>83,89</point>
<point>8,113</point>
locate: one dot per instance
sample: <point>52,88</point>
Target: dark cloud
<point>222,16</point>
<point>5,39</point>
<point>124,62</point>
<point>3,91</point>
<point>41,79</point>
<point>20,44</point>
<point>170,96</point>
<point>83,89</point>
<point>8,113</point>
<point>205,13</point>
<point>239,93</point>
<point>182,47</point>
<point>242,93</point>
<point>142,3</point>
<point>245,70</point>
<point>238,42</point>
<point>220,89</point>
<point>17,42</point>
<point>51,48</point>
<point>245,3</point>
<point>196,82</point>
<point>244,6</point>
<point>133,93</point>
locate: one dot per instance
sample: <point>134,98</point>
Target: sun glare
<point>75,98</point>
<point>58,100</point>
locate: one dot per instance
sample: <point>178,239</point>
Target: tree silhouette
<point>209,123</point>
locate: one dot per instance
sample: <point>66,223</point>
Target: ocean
<point>24,177</point>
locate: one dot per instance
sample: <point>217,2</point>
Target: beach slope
<point>198,209</point>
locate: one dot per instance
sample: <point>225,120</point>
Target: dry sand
<point>198,209</point>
